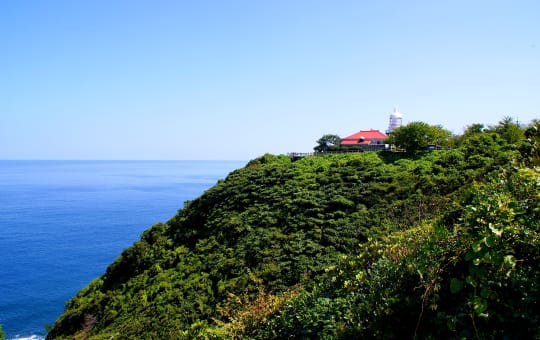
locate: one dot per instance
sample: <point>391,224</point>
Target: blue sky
<point>236,79</point>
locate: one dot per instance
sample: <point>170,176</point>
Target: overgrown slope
<point>270,226</point>
<point>475,276</point>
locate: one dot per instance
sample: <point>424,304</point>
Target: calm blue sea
<point>63,222</point>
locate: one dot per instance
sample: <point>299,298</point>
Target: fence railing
<point>321,153</point>
<point>374,147</point>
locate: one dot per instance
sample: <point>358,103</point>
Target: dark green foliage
<point>284,223</point>
<point>327,142</point>
<point>470,131</point>
<point>417,136</point>
<point>511,132</point>
<point>530,148</point>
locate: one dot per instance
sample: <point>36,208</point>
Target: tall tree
<point>474,128</point>
<point>416,136</point>
<point>509,130</point>
<point>327,142</point>
<point>531,148</point>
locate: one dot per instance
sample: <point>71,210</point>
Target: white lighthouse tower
<point>395,120</point>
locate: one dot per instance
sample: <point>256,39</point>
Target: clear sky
<point>235,79</point>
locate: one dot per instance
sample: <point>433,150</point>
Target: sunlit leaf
<point>494,230</point>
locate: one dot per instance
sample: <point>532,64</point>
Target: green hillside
<point>432,244</point>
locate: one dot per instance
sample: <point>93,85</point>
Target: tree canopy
<point>508,130</point>
<point>417,136</point>
<point>327,142</point>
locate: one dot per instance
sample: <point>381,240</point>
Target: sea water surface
<point>63,222</point>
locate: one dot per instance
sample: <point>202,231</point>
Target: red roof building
<point>367,137</point>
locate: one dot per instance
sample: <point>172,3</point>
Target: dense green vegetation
<point>427,244</point>
<point>468,275</point>
<point>416,136</point>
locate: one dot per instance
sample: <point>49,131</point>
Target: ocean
<point>63,222</point>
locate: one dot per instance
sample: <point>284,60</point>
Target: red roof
<point>355,142</point>
<point>363,137</point>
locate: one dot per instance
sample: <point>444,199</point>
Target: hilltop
<point>374,244</point>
